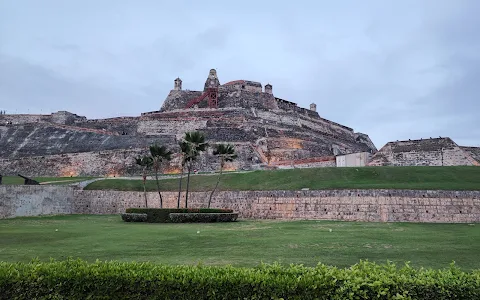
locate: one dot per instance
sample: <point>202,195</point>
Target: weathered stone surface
<point>351,205</point>
<point>268,131</point>
<point>427,152</point>
<point>473,151</point>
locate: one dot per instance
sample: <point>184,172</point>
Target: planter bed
<point>162,215</point>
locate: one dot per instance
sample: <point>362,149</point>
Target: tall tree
<point>196,144</point>
<point>225,152</point>
<point>184,148</point>
<point>146,162</point>
<point>158,154</point>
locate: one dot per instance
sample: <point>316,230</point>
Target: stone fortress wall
<point>265,129</point>
<point>349,205</point>
<point>426,152</point>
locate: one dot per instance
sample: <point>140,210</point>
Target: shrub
<point>133,217</point>
<point>202,217</point>
<point>77,279</point>
<point>161,215</point>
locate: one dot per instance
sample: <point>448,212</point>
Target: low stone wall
<point>34,200</point>
<point>351,205</point>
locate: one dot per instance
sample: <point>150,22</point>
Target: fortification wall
<point>474,152</point>
<point>24,119</point>
<point>350,205</point>
<point>178,100</point>
<point>98,163</point>
<point>16,201</point>
<point>430,152</point>
<point>60,117</point>
<point>39,140</point>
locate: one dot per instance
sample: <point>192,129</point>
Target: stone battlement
<point>256,121</point>
<point>423,152</point>
<point>60,117</point>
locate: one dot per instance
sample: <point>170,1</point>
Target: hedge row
<point>202,217</point>
<point>161,215</point>
<point>76,279</point>
<point>132,217</point>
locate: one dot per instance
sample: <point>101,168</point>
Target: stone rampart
<point>428,152</point>
<point>350,205</point>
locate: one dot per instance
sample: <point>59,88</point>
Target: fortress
<point>267,132</point>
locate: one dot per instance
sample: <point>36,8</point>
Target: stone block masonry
<point>428,152</point>
<point>348,205</point>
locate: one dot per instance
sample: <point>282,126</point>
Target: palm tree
<point>146,162</point>
<point>196,144</point>
<point>226,152</point>
<point>157,155</point>
<point>184,148</point>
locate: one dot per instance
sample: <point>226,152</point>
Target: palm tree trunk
<point>180,187</point>
<point>188,183</point>
<point>144,187</point>
<point>216,185</point>
<point>158,186</point>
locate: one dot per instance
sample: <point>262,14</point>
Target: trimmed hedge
<point>161,215</point>
<point>132,217</point>
<point>202,217</point>
<point>77,279</point>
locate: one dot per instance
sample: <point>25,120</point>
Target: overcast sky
<point>394,70</point>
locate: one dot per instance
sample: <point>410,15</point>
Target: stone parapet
<point>349,205</point>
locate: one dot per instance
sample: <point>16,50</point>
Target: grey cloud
<point>394,70</point>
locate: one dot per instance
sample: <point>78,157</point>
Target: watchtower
<point>212,81</point>
<point>177,84</point>
<point>268,88</point>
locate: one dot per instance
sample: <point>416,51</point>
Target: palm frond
<point>227,151</point>
<point>160,152</point>
<point>144,161</point>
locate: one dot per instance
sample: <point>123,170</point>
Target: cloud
<point>29,88</point>
<point>393,70</point>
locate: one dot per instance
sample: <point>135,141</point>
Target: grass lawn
<point>438,178</point>
<point>243,243</point>
<point>45,180</point>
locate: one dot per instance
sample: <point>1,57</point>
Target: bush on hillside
<point>132,217</point>
<point>202,217</point>
<point>77,279</point>
<point>161,215</point>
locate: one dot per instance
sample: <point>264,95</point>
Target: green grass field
<point>44,180</point>
<point>243,243</point>
<point>438,178</point>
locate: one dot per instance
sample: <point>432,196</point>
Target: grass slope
<point>45,180</point>
<point>438,178</point>
<point>244,243</point>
